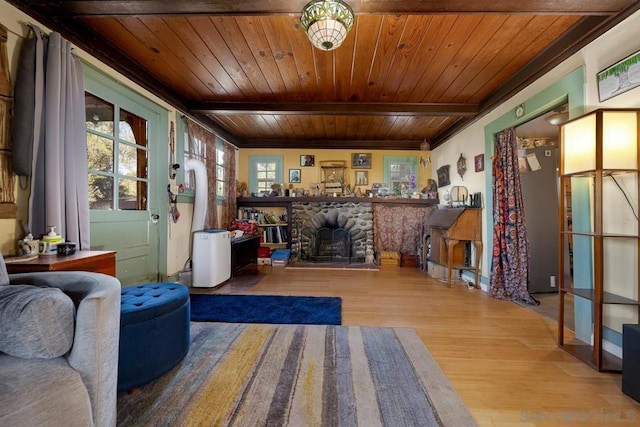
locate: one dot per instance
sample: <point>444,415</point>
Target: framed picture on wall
<point>443,176</point>
<point>294,176</point>
<point>361,161</point>
<point>619,77</point>
<point>307,160</point>
<point>479,162</point>
<point>362,178</point>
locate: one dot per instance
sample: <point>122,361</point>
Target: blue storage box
<point>280,257</point>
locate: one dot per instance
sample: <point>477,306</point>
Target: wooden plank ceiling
<point>408,71</point>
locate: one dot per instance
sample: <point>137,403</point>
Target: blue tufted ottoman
<point>154,332</point>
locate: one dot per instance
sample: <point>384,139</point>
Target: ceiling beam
<point>360,144</point>
<point>79,8</point>
<point>336,108</point>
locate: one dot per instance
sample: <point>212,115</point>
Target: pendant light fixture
<point>327,22</point>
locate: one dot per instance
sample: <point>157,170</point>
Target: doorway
<point>124,137</point>
<point>538,141</point>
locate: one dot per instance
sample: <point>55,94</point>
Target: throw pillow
<point>36,322</point>
<point>4,277</point>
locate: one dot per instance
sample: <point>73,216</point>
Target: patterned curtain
<point>510,262</point>
<point>398,228</point>
<point>229,205</point>
<point>207,143</point>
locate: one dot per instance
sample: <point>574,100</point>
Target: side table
<point>94,261</point>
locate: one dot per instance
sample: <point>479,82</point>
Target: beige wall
<point>311,174</point>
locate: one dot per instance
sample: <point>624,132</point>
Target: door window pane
<point>99,114</point>
<point>125,173</point>
<point>132,161</point>
<point>100,192</point>
<point>133,129</point>
<point>132,195</point>
<point>100,152</point>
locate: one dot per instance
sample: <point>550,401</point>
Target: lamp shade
<point>612,133</point>
<point>327,22</point>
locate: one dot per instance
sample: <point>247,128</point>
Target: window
<point>264,172</point>
<point>117,150</point>
<point>196,148</point>
<point>220,171</point>
<point>400,173</point>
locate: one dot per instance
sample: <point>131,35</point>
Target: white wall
<point>608,49</point>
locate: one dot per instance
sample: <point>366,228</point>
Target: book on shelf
<point>277,234</point>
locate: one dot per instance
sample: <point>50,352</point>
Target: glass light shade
<point>327,22</point>
<point>579,144</point>
<point>619,140</point>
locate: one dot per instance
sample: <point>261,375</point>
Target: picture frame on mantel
<point>362,178</point>
<point>361,160</point>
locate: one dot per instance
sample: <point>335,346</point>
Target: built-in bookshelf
<point>273,220</point>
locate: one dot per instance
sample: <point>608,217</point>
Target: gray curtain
<point>59,193</point>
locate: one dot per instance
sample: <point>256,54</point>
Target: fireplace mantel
<point>267,201</point>
<point>388,224</point>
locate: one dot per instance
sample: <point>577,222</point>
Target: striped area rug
<point>299,375</point>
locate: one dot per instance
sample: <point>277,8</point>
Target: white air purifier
<point>211,260</point>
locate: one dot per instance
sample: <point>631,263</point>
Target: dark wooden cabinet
<point>244,252</point>
<point>446,233</point>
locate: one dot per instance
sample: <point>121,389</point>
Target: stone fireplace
<point>333,232</point>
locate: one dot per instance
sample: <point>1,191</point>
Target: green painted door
<point>124,133</point>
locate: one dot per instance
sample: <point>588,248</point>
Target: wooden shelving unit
<point>281,206</point>
<point>601,228</point>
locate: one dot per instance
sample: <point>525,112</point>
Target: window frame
<point>388,161</point>
<point>253,163</point>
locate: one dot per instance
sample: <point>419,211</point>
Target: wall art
<point>361,160</point>
<point>294,176</point>
<point>307,160</point>
<point>362,178</point>
<point>479,162</point>
<point>443,176</point>
<point>620,77</point>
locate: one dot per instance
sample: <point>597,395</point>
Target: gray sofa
<point>40,386</point>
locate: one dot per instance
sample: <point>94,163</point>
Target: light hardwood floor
<point>501,358</point>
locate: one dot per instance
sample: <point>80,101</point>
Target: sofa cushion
<point>42,392</point>
<point>36,322</point>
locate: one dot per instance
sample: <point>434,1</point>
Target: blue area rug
<point>266,309</point>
